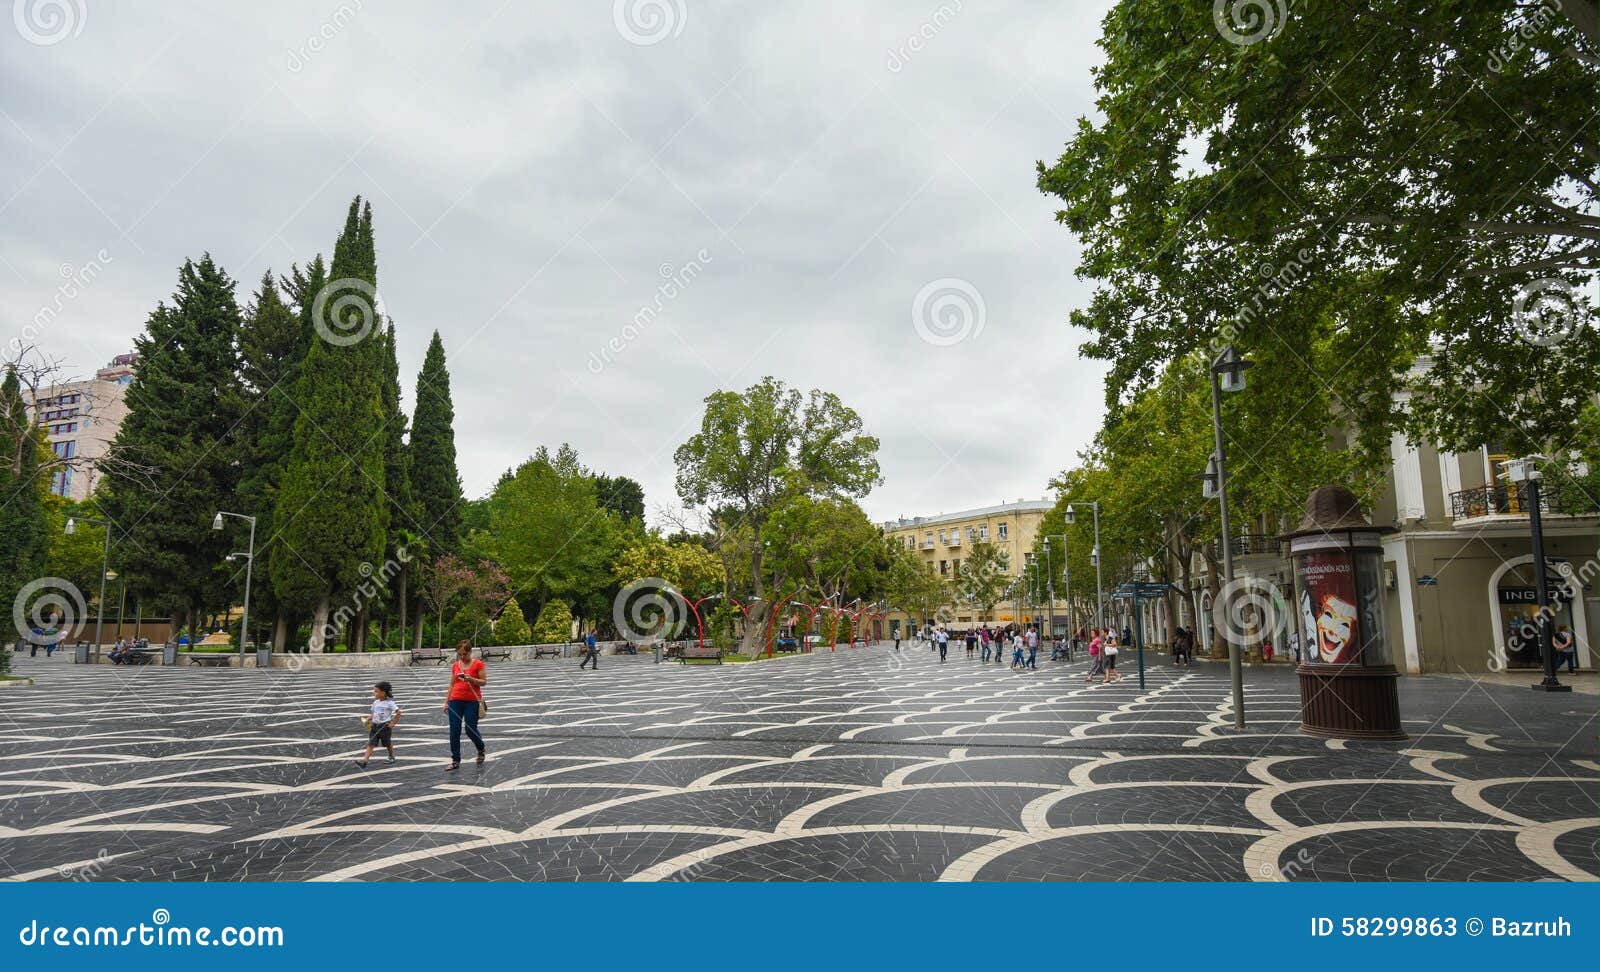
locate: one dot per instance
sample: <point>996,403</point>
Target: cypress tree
<point>24,536</point>
<point>272,344</point>
<point>435,483</point>
<point>332,505</point>
<point>403,530</point>
<point>176,447</point>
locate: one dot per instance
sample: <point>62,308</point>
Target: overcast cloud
<point>794,174</point>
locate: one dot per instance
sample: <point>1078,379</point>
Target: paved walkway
<point>861,765</point>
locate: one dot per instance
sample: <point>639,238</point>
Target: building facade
<point>1458,568</point>
<point>945,540</point>
<point>80,419</point>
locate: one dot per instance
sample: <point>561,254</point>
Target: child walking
<point>380,725</point>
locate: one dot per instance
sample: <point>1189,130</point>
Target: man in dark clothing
<point>591,653</point>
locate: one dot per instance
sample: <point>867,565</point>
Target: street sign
<point>1142,589</point>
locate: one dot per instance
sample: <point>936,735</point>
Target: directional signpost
<point>1137,591</point>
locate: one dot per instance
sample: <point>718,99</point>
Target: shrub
<point>512,628</point>
<point>554,623</point>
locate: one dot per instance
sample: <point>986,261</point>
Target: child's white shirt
<point>383,710</point>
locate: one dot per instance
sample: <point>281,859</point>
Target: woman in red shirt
<point>467,679</point>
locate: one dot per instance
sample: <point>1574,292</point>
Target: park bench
<point>693,651</point>
<point>435,655</point>
<point>626,648</point>
<point>539,651</point>
<point>500,654</point>
<point>225,661</point>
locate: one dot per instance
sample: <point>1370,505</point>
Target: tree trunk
<point>358,637</point>
<point>405,572</point>
<point>319,623</point>
<point>416,642</point>
<point>280,633</point>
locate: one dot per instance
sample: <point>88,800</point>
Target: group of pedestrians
<point>464,704</point>
<point>1104,646</point>
<point>984,642</point>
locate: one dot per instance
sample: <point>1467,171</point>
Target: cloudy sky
<point>838,194</point>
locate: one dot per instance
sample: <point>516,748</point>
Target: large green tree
<point>758,448</point>
<point>435,482</point>
<point>273,342</point>
<point>180,434</point>
<point>24,537</point>
<point>1349,191</point>
<point>332,506</point>
<point>547,528</point>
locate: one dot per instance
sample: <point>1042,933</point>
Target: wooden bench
<point>539,651</point>
<point>626,648</point>
<point>693,651</point>
<point>435,655</point>
<point>226,661</point>
<point>501,654</point>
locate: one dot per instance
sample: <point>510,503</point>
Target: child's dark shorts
<point>380,734</point>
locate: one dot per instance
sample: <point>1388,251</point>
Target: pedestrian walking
<point>591,653</point>
<point>1294,646</point>
<point>983,639</point>
<point>1096,658</point>
<point>1109,650</point>
<point>1266,649</point>
<point>380,723</point>
<point>1033,649</point>
<point>1565,649</point>
<point>943,638</point>
<point>464,703</point>
<point>972,642</point>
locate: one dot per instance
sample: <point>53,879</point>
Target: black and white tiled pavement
<point>858,765</point>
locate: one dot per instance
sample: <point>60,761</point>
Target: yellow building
<point>945,540</point>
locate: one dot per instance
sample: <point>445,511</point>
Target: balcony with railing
<point>955,541</point>
<point>1505,500</point>
<point>1251,545</point>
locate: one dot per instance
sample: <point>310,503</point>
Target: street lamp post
<point>1526,472</point>
<point>105,568</point>
<point>249,569</point>
<point>1227,374</point>
<point>694,608</point>
<point>1099,586</point>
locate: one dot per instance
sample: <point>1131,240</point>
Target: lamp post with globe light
<point>105,569</point>
<point>249,568</point>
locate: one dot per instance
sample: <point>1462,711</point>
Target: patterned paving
<point>863,766</point>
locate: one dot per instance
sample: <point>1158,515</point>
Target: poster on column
<point>1328,607</point>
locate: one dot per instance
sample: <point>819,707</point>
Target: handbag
<point>483,705</point>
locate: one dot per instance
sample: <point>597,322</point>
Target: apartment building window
<point>941,536</point>
<point>983,533</point>
<point>1003,533</point>
<point>955,565</point>
<point>972,533</point>
<point>61,482</point>
<point>944,568</point>
<point>65,450</point>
